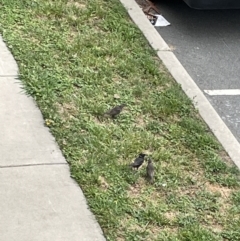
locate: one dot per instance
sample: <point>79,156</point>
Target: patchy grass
<point>75,58</point>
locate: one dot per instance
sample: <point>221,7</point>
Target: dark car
<point>213,4</point>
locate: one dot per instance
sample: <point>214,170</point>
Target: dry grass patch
<point>225,192</point>
<point>67,110</point>
<point>79,5</point>
<point>140,122</point>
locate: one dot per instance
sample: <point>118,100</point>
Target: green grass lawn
<point>78,59</point>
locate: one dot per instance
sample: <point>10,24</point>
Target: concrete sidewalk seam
<point>178,72</point>
<point>40,197</point>
<point>36,164</point>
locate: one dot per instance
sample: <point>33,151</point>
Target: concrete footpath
<point>38,199</point>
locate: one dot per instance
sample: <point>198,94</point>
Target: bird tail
<point>151,179</point>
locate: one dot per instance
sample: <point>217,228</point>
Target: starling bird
<point>138,161</point>
<point>115,111</point>
<point>150,170</point>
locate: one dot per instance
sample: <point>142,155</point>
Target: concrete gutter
<point>207,112</point>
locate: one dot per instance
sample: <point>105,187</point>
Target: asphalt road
<point>207,43</point>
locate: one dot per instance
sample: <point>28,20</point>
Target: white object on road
<point>223,92</point>
<point>161,21</point>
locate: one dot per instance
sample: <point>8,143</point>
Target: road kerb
<point>207,112</point>
<point>145,26</point>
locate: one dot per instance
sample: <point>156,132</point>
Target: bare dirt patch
<point>136,189</point>
<point>224,191</point>
<point>226,158</point>
<point>67,110</point>
<point>76,4</point>
<point>140,121</point>
<point>170,215</point>
<point>103,183</point>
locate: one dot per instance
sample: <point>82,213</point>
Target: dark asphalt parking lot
<point>207,43</point>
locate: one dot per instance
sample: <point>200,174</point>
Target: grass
<point>78,59</point>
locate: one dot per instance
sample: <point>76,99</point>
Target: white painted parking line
<point>223,92</point>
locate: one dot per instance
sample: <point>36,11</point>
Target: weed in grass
<point>194,232</point>
<point>236,198</point>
